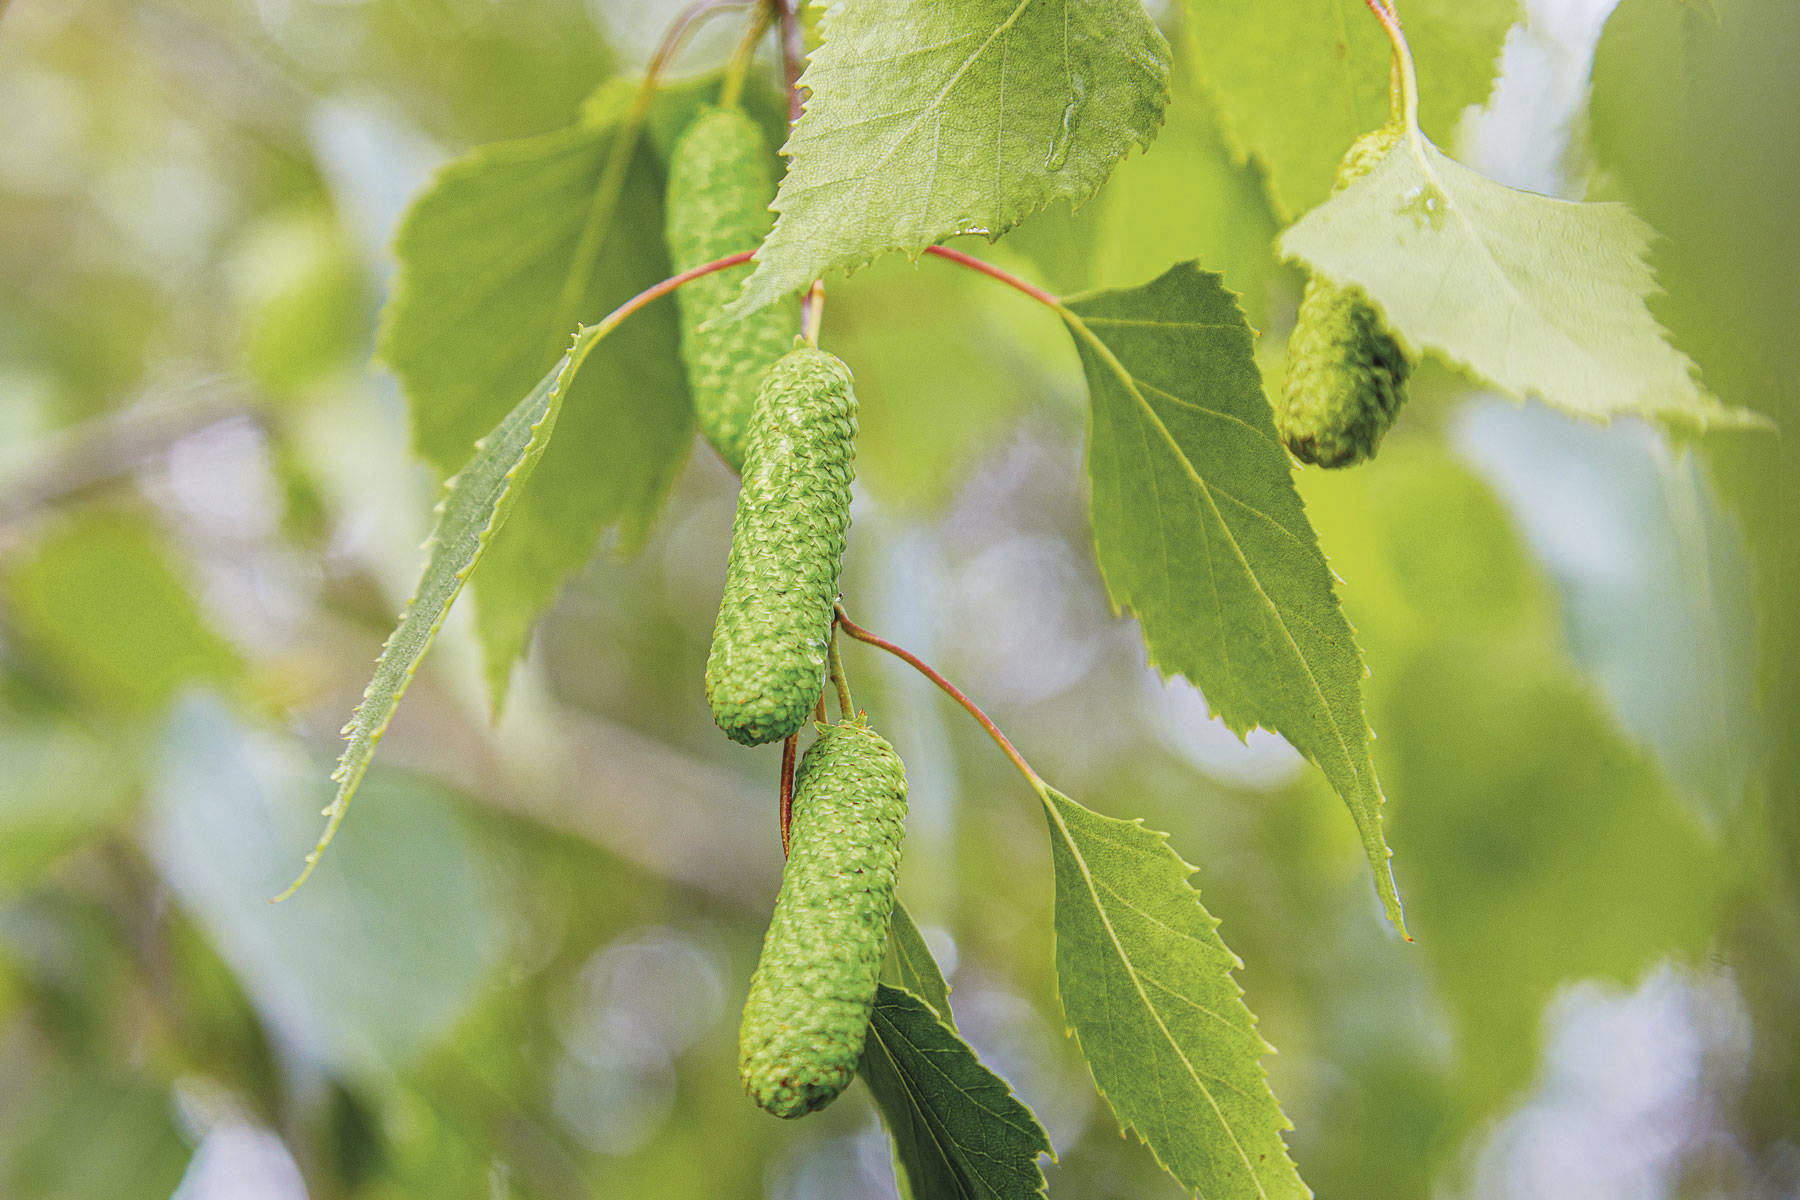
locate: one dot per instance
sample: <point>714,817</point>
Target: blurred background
<point>519,971</point>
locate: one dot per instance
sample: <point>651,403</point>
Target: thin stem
<point>793,54</point>
<point>950,689</point>
<point>993,272</point>
<point>740,59</point>
<point>788,749</point>
<point>684,24</point>
<point>607,323</point>
<point>819,713</point>
<point>846,706</point>
<point>1408,81</point>
<point>812,312</point>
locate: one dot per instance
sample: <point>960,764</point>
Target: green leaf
<point>98,601</point>
<point>477,502</point>
<point>384,954</point>
<point>1542,298</point>
<point>1201,534</point>
<point>930,118</point>
<point>1298,80</point>
<point>959,1132</point>
<point>914,966</point>
<point>508,249</point>
<point>1146,984</point>
<point>1191,198</point>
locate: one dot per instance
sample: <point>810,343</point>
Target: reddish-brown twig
<point>656,291</point>
<point>993,272</point>
<point>950,689</point>
<point>788,749</point>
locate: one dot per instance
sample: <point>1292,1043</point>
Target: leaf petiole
<point>739,65</point>
<point>1406,83</point>
<point>950,689</point>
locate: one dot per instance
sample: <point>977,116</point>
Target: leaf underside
<point>1201,534</point>
<point>1147,987</point>
<point>929,118</point>
<point>1541,298</point>
<point>959,1132</point>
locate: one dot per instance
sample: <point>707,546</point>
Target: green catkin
<point>808,1010</point>
<point>769,647</point>
<point>1346,376</point>
<point>717,204</point>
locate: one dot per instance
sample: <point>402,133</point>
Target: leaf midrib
<point>1131,973</point>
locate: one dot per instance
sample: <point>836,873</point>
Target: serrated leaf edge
<point>1049,797</point>
<point>364,731</point>
<point>1370,824</point>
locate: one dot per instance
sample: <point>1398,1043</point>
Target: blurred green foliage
<point>519,974</point>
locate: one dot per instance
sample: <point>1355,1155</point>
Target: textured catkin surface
<point>1346,376</point>
<point>717,203</point>
<point>810,999</point>
<point>787,545</point>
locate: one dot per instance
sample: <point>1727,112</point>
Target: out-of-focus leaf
<point>1201,534</point>
<point>1538,847</point>
<point>1654,582</point>
<point>510,247</point>
<point>60,787</point>
<point>1299,80</point>
<point>929,118</point>
<point>959,1132</point>
<point>1542,298</point>
<point>1668,76</point>
<point>379,956</point>
<point>78,1134</point>
<point>303,300</point>
<point>99,599</point>
<point>1146,983</point>
<point>1552,853</point>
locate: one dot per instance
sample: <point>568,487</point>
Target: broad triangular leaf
<point>1298,80</point>
<point>1201,534</point>
<point>959,1132</point>
<point>1146,984</point>
<point>477,501</point>
<point>929,118</point>
<point>1542,298</point>
<point>509,248</point>
<point>914,966</point>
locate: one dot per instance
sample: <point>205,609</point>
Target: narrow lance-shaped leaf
<point>929,118</point>
<point>1201,534</point>
<point>1146,984</point>
<point>477,501</point>
<point>510,247</point>
<point>959,1132</point>
<point>914,966</point>
<point>1542,298</point>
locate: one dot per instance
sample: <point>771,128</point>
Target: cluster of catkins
<point>784,415</point>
